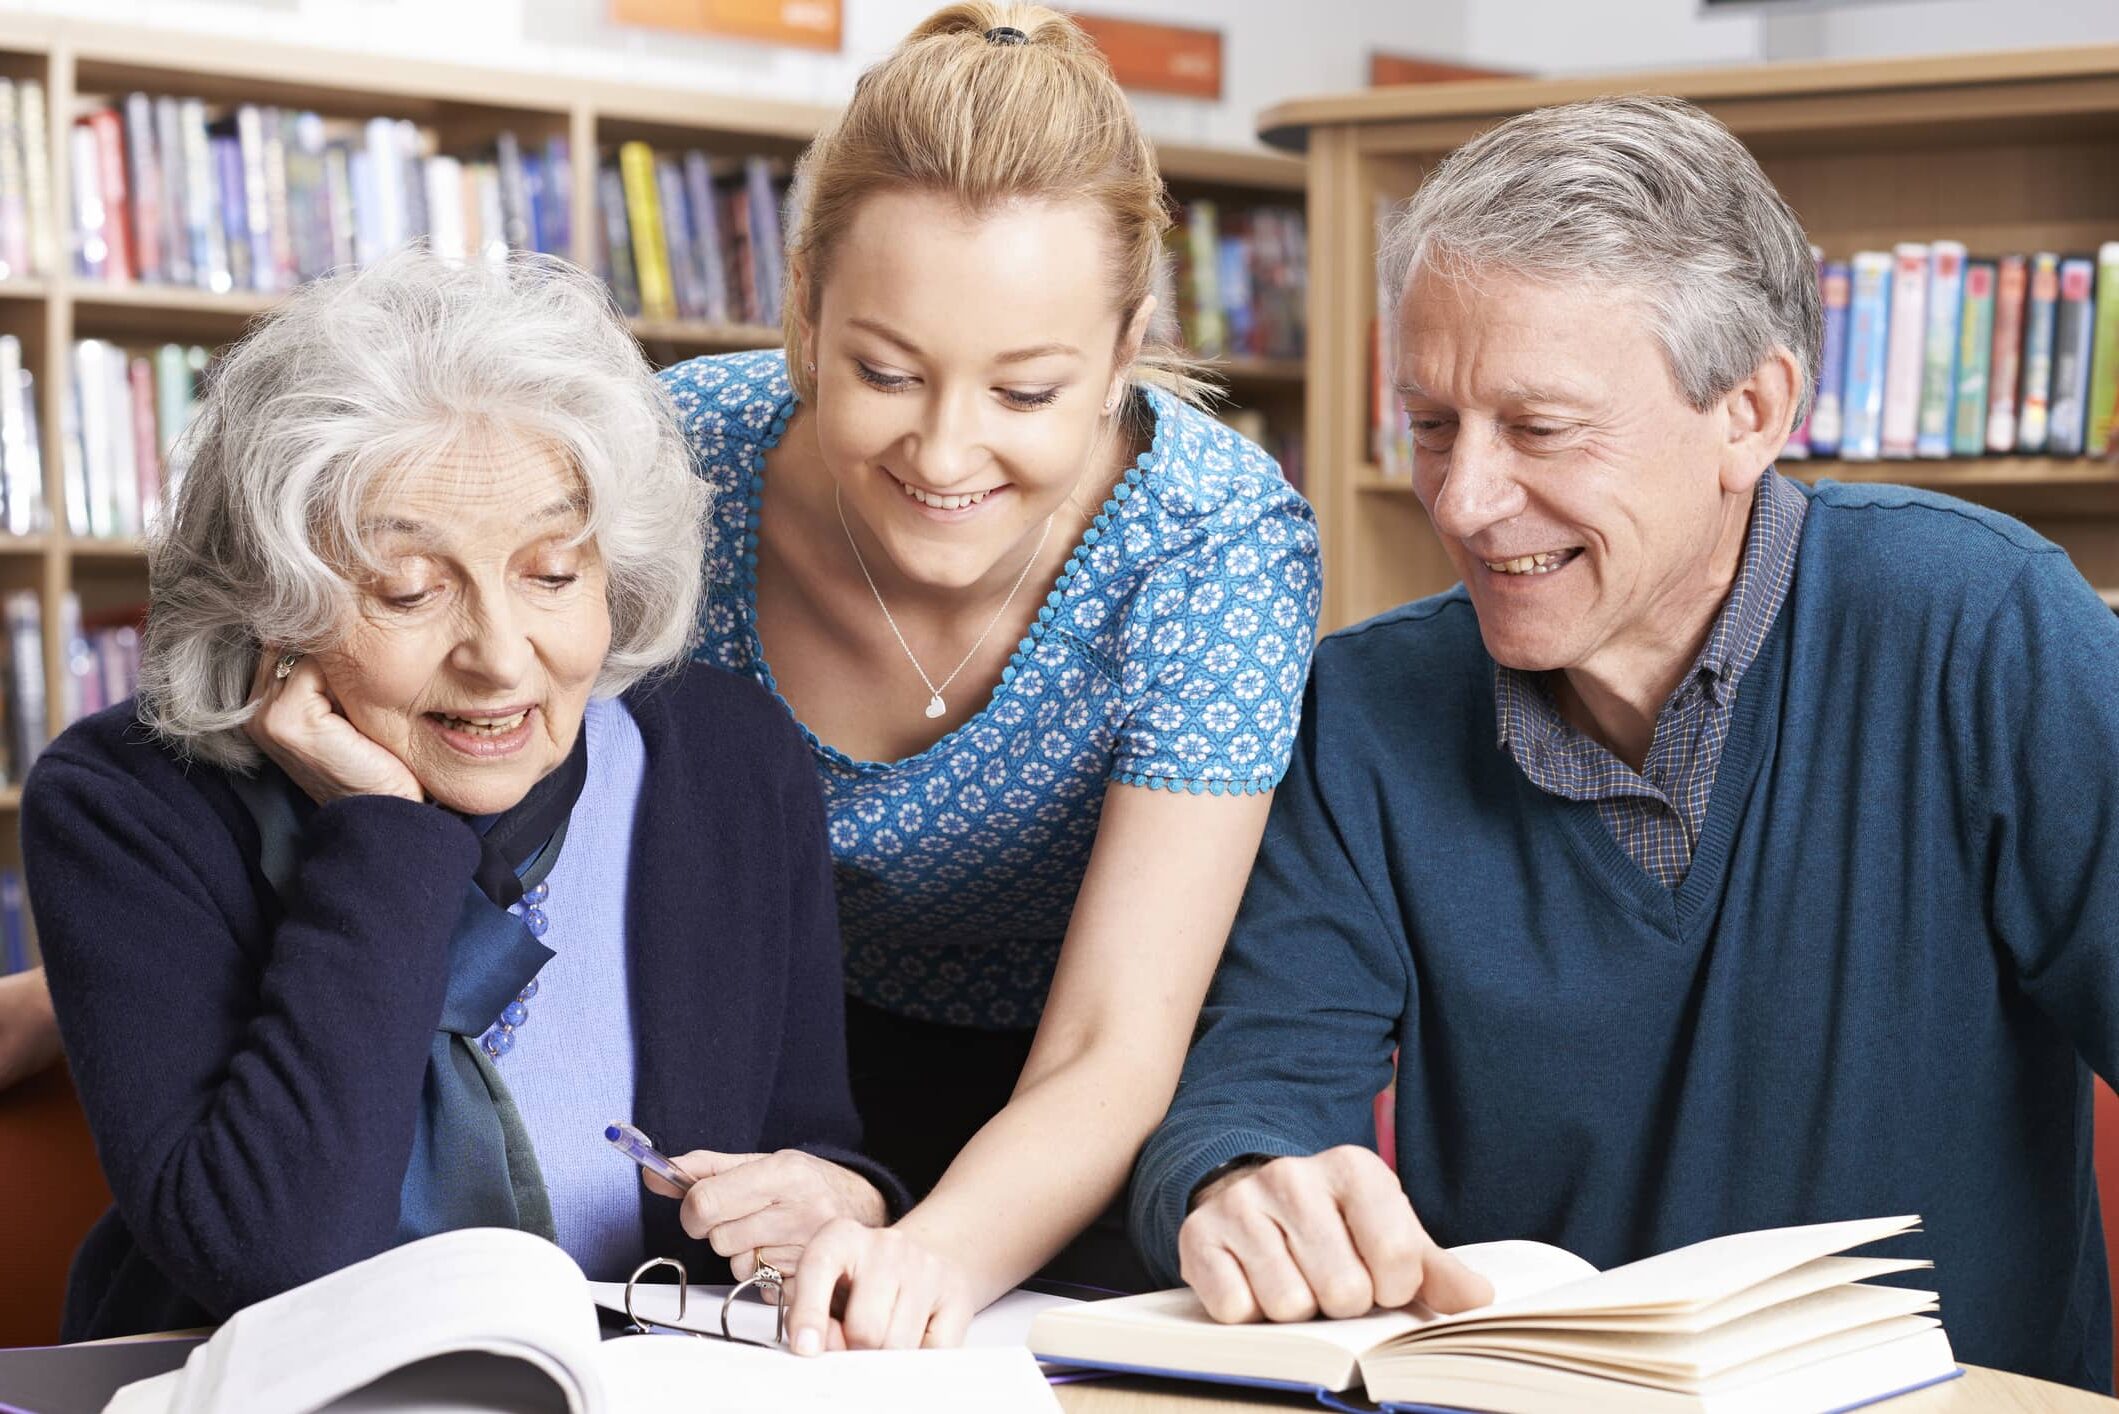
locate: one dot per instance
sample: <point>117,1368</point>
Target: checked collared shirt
<point>1655,813</point>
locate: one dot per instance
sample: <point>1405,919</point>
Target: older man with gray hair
<point>1720,854</point>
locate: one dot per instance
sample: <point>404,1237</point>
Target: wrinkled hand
<point>300,728</point>
<point>753,1207</point>
<point>1332,1234</point>
<point>866,1288</point>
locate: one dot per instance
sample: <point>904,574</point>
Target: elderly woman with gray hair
<point>431,859</point>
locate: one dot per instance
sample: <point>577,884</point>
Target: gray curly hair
<point>362,377</point>
<point>1648,194</point>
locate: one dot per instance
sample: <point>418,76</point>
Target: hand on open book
<point>753,1207</point>
<point>1331,1234</point>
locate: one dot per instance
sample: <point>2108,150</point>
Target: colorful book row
<point>261,198</point>
<point>682,237</point>
<point>122,424</point>
<point>1929,352</point>
<point>1241,280</point>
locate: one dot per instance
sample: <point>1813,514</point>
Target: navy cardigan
<point>252,1078</point>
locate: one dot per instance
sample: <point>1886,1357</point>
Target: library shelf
<point>2004,151</point>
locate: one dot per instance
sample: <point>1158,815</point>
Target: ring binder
<point>766,1278</point>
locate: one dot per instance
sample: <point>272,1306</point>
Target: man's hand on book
<point>1332,1234</point>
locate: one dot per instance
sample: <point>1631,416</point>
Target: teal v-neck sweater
<point>1874,993</point>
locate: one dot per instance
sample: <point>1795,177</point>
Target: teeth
<point>485,726</point>
<point>1543,563</point>
<point>946,503</point>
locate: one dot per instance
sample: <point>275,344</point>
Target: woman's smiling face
<point>964,363</point>
<point>473,650</point>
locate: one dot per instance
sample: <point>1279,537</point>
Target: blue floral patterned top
<point>1171,655</point>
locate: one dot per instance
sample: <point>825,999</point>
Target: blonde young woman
<point>1044,625</point>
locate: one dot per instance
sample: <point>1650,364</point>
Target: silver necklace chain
<point>935,706</point>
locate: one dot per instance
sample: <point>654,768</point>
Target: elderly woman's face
<point>1577,492</point>
<point>472,654</point>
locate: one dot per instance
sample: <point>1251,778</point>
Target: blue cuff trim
<point>1176,784</point>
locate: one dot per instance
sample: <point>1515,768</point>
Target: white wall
<point>1272,49</point>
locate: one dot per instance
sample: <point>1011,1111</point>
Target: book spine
<point>1232,282</point>
<point>636,166</point>
<point>685,285</point>
<point>338,196</point>
<point>14,928</point>
<point>119,442</point>
<point>14,198</point>
<point>515,224</point>
<point>742,277</point>
<point>706,235</point>
<point>1909,330</point>
<point>2104,354</point>
<point>768,251</point>
<point>203,219</point>
<point>73,468</point>
<point>91,241</point>
<point>146,449</point>
<point>1938,370</point>
<point>117,201</point>
<point>378,194</point>
<point>143,172</point>
<point>21,468</point>
<point>1868,352</point>
<point>25,651</point>
<point>308,205</point>
<point>36,176</point>
<point>412,181</point>
<point>173,394</point>
<point>617,244</point>
<point>279,206</point>
<point>235,209</point>
<point>1827,417</point>
<point>2011,281</point>
<point>257,204</point>
<point>177,265</point>
<point>445,208</point>
<point>486,198</point>
<point>2040,311</point>
<point>556,214</point>
<point>1975,348</point>
<point>78,661</point>
<point>2071,358</point>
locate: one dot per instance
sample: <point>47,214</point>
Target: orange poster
<point>808,24</point>
<point>1159,58</point>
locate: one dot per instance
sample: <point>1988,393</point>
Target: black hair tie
<point>1006,34</point>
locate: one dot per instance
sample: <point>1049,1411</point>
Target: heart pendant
<point>935,707</point>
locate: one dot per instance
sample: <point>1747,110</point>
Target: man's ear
<point>1760,414</point>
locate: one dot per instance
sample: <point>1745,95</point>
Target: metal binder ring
<point>684,1286</point>
<point>766,1278</point>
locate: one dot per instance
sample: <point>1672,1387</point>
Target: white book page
<point>488,1289</point>
<point>1003,1325</point>
<point>1704,1273</point>
<point>679,1373</point>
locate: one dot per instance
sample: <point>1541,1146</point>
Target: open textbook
<point>1769,1322</point>
<point>490,1319</point>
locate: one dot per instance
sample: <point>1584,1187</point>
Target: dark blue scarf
<point>472,1164</point>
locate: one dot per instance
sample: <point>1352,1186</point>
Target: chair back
<point>51,1192</point>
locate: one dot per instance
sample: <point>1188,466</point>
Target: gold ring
<point>286,666</point>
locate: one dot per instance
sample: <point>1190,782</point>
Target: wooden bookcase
<point>82,63</point>
<point>2016,151</point>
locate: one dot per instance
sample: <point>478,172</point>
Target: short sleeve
<point>1220,645</point>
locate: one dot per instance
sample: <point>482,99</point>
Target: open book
<point>493,1319</point>
<point>1767,1322</point>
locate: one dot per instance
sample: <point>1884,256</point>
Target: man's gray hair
<point>359,379</point>
<point>1649,195</point>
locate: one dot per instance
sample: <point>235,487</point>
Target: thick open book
<point>493,1319</point>
<point>1770,1322</point>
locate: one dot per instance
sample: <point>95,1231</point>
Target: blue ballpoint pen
<point>629,1141</point>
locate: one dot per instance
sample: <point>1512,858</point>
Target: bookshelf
<point>83,65</point>
<point>2005,152</point>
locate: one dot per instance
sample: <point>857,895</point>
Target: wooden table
<point>1981,1390</point>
